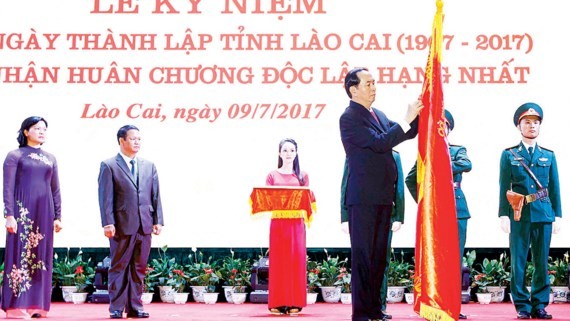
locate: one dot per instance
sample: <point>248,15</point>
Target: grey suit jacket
<point>127,202</point>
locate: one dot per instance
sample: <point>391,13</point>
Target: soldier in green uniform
<point>397,218</point>
<point>460,164</point>
<point>530,170</point>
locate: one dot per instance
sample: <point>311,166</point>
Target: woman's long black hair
<point>296,166</point>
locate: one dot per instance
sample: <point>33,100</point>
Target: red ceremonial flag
<point>437,280</point>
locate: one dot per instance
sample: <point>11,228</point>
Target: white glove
<point>396,226</point>
<point>344,227</point>
<point>556,226</point>
<point>506,224</point>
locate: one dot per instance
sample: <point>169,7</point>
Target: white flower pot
<point>497,293</point>
<point>228,292</point>
<point>146,297</point>
<point>409,298</point>
<point>78,297</point>
<point>210,298</point>
<point>198,292</point>
<point>180,298</point>
<point>346,298</point>
<point>66,291</point>
<point>312,298</point>
<point>331,294</point>
<point>484,298</point>
<point>560,293</point>
<point>166,293</point>
<point>238,298</point>
<point>395,294</point>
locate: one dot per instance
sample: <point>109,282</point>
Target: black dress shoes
<point>116,315</point>
<point>523,315</point>
<point>542,314</point>
<point>462,316</point>
<point>386,316</point>
<point>138,314</point>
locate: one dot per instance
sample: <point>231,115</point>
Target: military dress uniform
<point>534,229</point>
<point>397,212</point>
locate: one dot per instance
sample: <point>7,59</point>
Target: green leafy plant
<point>469,260</point>
<point>149,282</point>
<point>83,277</point>
<point>493,273</point>
<point>399,272</point>
<point>344,279</point>
<point>207,277</point>
<point>528,272</point>
<point>313,281</point>
<point>236,272</point>
<point>1,274</point>
<point>558,271</point>
<point>162,269</point>
<point>329,270</point>
<point>204,273</point>
<point>480,283</point>
<point>65,269</point>
<point>180,279</point>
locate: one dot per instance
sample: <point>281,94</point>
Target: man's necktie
<point>133,167</point>
<point>375,117</point>
<point>530,150</point>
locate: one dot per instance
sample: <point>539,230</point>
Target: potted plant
<point>480,283</point>
<point>236,274</point>
<point>209,278</point>
<point>162,268</point>
<point>64,270</point>
<point>313,282</point>
<point>496,275</point>
<point>467,276</point>
<point>180,280</point>
<point>329,271</point>
<point>201,275</point>
<point>409,295</point>
<point>344,279</point>
<point>558,275</point>
<point>398,278</point>
<point>82,278</point>
<point>148,285</point>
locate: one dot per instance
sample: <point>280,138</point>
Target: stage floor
<point>251,311</point>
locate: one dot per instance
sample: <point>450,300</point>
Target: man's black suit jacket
<point>368,146</point>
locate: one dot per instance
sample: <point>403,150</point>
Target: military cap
<point>449,118</point>
<point>527,109</point>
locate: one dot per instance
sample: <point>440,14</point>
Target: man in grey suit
<point>129,201</point>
